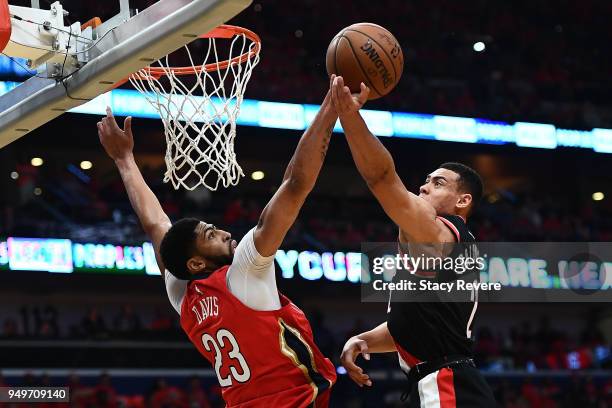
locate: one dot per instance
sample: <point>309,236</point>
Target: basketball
<point>368,53</point>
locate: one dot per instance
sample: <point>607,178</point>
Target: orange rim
<point>223,31</point>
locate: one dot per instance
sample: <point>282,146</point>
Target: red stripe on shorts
<point>407,357</point>
<point>446,388</point>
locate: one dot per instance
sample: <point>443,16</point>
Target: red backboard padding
<point>5,24</point>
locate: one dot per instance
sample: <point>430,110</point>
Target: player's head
<point>192,247</point>
<point>453,188</point>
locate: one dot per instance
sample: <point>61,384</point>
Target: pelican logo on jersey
<point>369,50</point>
<point>206,307</point>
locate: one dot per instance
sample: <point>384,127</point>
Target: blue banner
<point>280,115</point>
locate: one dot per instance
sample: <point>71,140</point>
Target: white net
<point>199,106</point>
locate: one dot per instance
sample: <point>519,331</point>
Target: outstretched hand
<point>353,347</point>
<point>118,143</point>
<point>345,102</point>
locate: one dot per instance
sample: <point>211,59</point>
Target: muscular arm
<point>119,144</point>
<point>379,339</point>
<point>415,217</point>
<point>299,179</point>
<point>152,217</point>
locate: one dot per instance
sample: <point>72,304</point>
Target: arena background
<point>108,330</point>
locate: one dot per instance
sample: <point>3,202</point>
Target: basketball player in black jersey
<point>433,339</point>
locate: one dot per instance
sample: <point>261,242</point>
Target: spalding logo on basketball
<point>367,53</point>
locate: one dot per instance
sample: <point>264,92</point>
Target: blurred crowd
<point>104,394</point>
<point>510,392</point>
<point>93,207</point>
<point>527,346</point>
<point>541,348</point>
<point>47,322</point>
<point>552,393</point>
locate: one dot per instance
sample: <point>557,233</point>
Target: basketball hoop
<point>200,118</point>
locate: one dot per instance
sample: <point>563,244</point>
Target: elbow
<point>298,184</point>
<point>151,227</point>
<point>381,177</point>
<point>298,187</point>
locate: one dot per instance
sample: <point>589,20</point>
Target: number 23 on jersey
<point>227,353</point>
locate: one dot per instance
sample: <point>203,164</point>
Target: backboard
<point>101,56</point>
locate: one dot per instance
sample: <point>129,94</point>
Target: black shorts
<point>452,387</point>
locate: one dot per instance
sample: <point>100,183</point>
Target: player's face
<point>441,190</point>
<point>214,245</point>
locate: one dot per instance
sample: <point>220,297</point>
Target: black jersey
<point>426,331</point>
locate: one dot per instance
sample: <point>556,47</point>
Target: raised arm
<point>299,179</point>
<point>415,217</point>
<point>119,145</point>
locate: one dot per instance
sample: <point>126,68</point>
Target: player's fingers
<point>127,125</point>
<point>360,379</point>
<point>346,91</point>
<point>110,119</point>
<point>348,355</point>
<point>340,86</point>
<point>343,89</point>
<point>352,367</point>
<point>336,91</point>
<point>342,96</point>
<point>363,349</point>
<point>363,95</point>
<point>340,81</point>
<point>356,380</point>
<point>347,97</point>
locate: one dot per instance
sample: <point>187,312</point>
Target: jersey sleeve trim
<point>451,226</point>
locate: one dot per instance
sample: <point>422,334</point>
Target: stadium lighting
<point>86,165</point>
<point>37,191</point>
<point>37,161</point>
<point>479,46</point>
<point>258,175</point>
<point>14,175</point>
<point>598,196</point>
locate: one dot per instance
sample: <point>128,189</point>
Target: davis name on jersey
<point>207,306</point>
<point>261,358</point>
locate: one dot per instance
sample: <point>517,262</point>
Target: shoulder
<point>212,284</point>
<point>215,280</point>
<point>458,227</point>
<point>247,257</point>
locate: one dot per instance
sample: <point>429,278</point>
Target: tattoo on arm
<point>326,138</point>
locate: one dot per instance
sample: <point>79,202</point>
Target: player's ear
<point>464,200</point>
<point>196,264</point>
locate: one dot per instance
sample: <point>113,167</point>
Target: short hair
<point>178,245</point>
<point>469,181</point>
